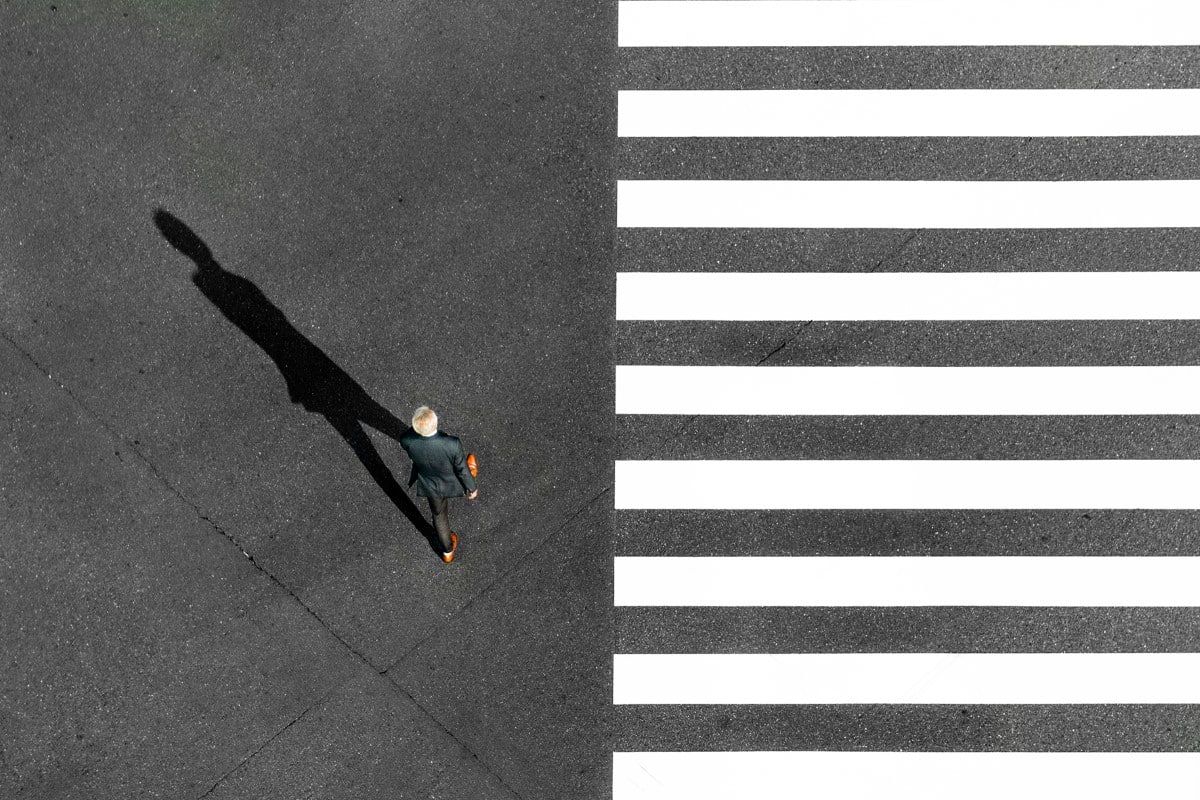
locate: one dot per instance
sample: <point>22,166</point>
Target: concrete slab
<point>145,654</point>
<point>535,704</point>
<point>365,740</point>
<point>419,192</point>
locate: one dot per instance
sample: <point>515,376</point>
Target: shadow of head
<point>182,238</point>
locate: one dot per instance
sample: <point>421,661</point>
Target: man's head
<point>424,421</point>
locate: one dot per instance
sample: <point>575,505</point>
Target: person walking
<point>440,470</point>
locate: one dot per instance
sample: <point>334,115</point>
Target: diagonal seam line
<point>112,432</point>
<point>462,609</point>
<point>1105,75</point>
<point>302,714</point>
<point>116,435</point>
<point>490,770</point>
<point>266,743</point>
<point>516,565</point>
<point>796,333</point>
<point>900,249</point>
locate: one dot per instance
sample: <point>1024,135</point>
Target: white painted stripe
<point>883,23</point>
<point>984,678</point>
<point>911,112</point>
<point>835,775</point>
<point>1057,581</point>
<point>907,390</point>
<point>902,484</point>
<point>908,204</point>
<point>907,296</point>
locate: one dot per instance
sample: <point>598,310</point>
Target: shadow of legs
<point>314,380</point>
<point>352,432</point>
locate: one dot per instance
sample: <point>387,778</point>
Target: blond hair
<point>424,421</point>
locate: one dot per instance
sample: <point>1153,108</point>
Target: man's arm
<point>458,459</point>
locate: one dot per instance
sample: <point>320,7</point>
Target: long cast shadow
<point>314,381</point>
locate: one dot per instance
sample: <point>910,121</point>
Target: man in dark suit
<point>440,471</point>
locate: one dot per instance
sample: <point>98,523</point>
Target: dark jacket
<point>439,464</point>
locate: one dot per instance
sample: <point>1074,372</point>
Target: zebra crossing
<point>908,489</point>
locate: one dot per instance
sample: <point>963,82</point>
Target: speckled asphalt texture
<point>209,585</point>
<point>907,533</point>
<point>212,581</point>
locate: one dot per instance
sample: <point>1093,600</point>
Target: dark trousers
<point>440,508</point>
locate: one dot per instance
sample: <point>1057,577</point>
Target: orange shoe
<point>448,557</point>
<point>472,465</point>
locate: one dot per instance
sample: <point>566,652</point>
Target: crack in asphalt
<point>28,356</point>
<point>1104,77</point>
<point>503,575</point>
<point>688,419</point>
<point>470,602</point>
<point>120,438</point>
<point>784,343</point>
<point>265,744</point>
<point>162,479</point>
<point>899,249</point>
<point>395,687</point>
<point>457,741</point>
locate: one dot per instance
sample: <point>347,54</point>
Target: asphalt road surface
<point>212,581</point>
<point>210,586</point>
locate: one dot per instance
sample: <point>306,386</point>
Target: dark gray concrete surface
<point>143,653</point>
<point>909,67</point>
<point>205,591</point>
<point>1057,728</point>
<point>907,630</point>
<point>208,583</point>
<point>1120,158</point>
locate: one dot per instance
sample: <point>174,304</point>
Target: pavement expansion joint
<point>499,578</point>
<point>28,356</point>
<point>249,557</point>
<point>266,743</point>
<point>491,770</point>
<point>233,540</point>
<point>132,447</point>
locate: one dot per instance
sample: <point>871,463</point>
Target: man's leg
<point>440,508</point>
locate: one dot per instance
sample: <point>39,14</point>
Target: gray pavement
<point>210,588</point>
<point>210,583</point>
